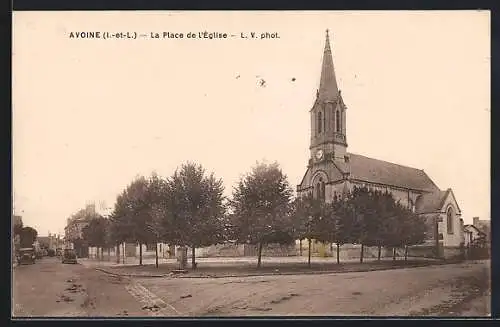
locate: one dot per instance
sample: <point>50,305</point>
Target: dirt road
<point>52,289</point>
<point>449,290</point>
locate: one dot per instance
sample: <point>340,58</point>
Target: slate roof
<point>387,173</point>
<point>477,229</point>
<point>431,202</point>
<point>484,226</point>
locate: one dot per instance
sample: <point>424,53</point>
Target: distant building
<point>16,239</point>
<point>51,242</point>
<point>484,226</point>
<point>17,220</point>
<point>43,241</point>
<point>473,235</point>
<point>73,232</point>
<point>333,171</point>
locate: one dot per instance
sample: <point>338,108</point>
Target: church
<point>333,170</point>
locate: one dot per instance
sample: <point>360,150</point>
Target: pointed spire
<point>328,89</point>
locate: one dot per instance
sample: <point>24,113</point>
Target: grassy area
<point>245,269</point>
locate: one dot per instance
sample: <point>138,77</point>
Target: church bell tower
<point>328,116</point>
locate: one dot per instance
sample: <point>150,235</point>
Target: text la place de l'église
<point>190,35</point>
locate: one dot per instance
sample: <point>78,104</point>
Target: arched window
<point>320,189</point>
<point>320,122</point>
<point>449,220</point>
<point>337,121</point>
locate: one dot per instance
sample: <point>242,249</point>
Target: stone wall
<point>220,250</point>
<point>451,252</point>
<point>279,250</point>
<point>423,251</point>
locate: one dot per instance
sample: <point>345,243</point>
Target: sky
<point>89,115</point>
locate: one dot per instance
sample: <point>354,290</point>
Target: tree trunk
<point>109,253</point>
<point>379,254</point>
<point>338,253</point>
<point>193,257</point>
<point>156,254</point>
<point>124,253</point>
<point>362,253</point>
<point>140,254</point>
<point>309,253</point>
<point>406,252</point>
<point>393,254</point>
<point>300,247</point>
<point>259,260</point>
<point>118,253</point>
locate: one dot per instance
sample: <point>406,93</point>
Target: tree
<point>28,236</point>
<point>121,227</point>
<point>131,215</point>
<point>261,204</point>
<point>413,230</point>
<point>158,191</point>
<point>382,224</point>
<point>379,220</point>
<point>311,220</point>
<point>94,234</point>
<point>360,206</point>
<point>194,208</point>
<point>344,222</point>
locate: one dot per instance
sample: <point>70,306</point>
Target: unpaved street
<point>448,290</point>
<point>51,289</point>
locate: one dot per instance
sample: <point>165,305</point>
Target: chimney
<point>475,221</point>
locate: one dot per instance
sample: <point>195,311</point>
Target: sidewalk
<point>247,266</point>
<point>133,261</point>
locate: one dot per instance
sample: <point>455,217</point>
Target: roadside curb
<point>323,272</point>
<point>130,275</point>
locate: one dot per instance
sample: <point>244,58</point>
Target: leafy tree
<point>28,236</point>
<point>261,204</point>
<point>158,224</point>
<point>344,222</point>
<point>379,220</point>
<point>194,208</point>
<point>131,215</point>
<point>382,224</point>
<point>311,221</point>
<point>414,229</point>
<point>94,234</point>
<point>360,207</point>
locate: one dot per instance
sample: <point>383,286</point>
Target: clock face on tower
<point>319,154</point>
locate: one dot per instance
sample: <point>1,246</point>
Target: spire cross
<point>327,32</point>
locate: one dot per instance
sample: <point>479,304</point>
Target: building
<point>332,170</point>
<point>73,232</point>
<point>43,241</point>
<point>484,226</point>
<point>473,236</point>
<point>17,222</point>
<point>51,242</point>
